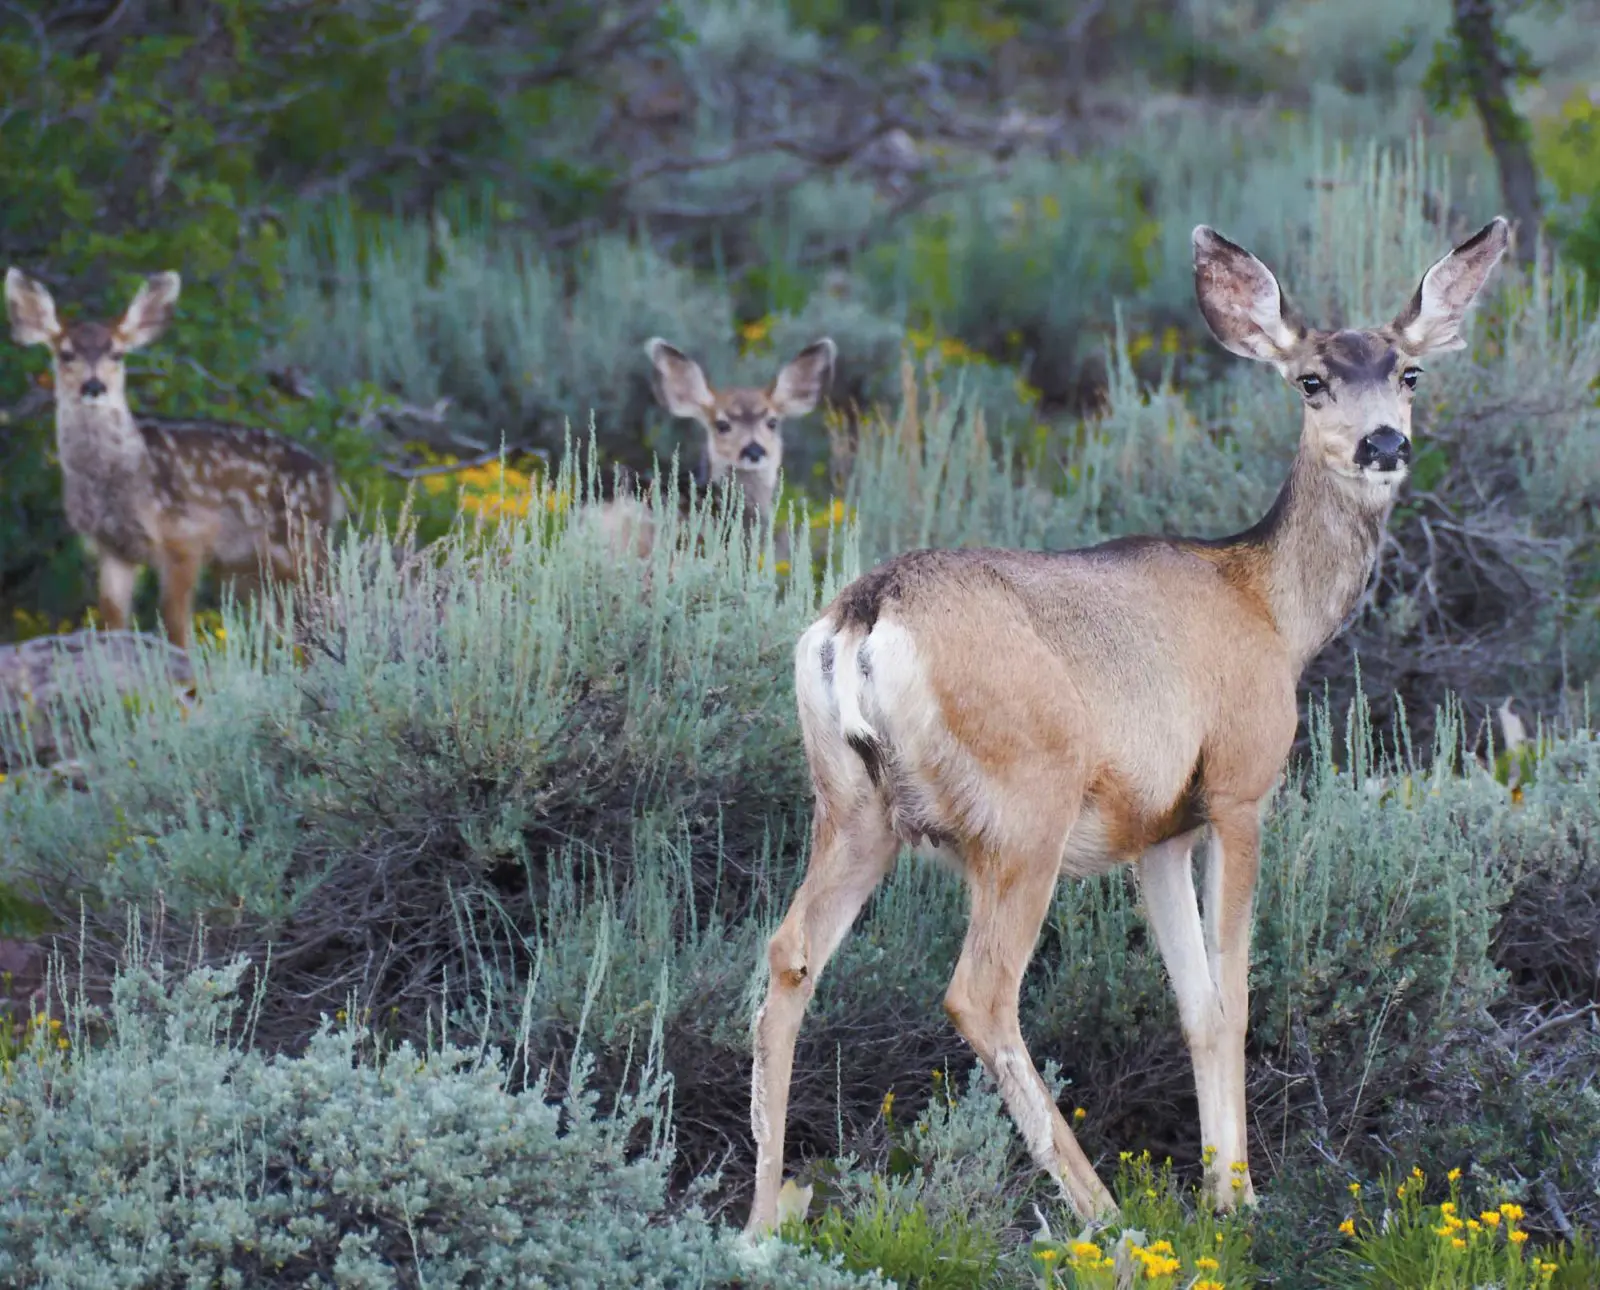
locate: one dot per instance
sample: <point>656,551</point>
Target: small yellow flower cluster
<point>492,489</point>
<point>1158,1259</point>
<point>832,515</point>
<point>1455,1232</point>
<point>208,624</point>
<point>45,1029</point>
<point>756,335</point>
<point>941,351</point>
<point>1088,1257</point>
<point>1169,343</point>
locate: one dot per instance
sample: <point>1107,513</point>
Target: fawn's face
<point>1357,385</point>
<point>744,427</point>
<point>88,356</point>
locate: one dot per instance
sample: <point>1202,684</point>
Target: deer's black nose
<point>1384,449</point>
<point>753,452</point>
<point>93,388</point>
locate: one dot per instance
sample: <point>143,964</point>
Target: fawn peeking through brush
<point>743,434</point>
<point>177,495</point>
<point>1030,714</point>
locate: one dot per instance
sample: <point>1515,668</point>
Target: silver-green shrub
<point>156,1148</point>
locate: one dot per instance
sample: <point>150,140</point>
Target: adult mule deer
<point>1030,714</point>
<point>173,494</point>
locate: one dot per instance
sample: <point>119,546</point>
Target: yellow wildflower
<point>1046,1256</point>
<point>1512,1212</point>
<point>1205,1263</point>
<point>1473,1225</point>
<point>1458,1243</point>
<point>65,1043</point>
<point>1447,1207</point>
<point>1416,1172</point>
<point>1160,1247</point>
<point>1209,1285</point>
<point>1348,1227</point>
<point>1085,1250</point>
<point>1079,1115</point>
<point>1490,1218</point>
<point>1516,1238</point>
<point>1454,1175</point>
<point>888,1103</point>
<point>781,567</point>
<point>1355,1189</point>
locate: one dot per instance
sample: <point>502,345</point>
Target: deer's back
<point>237,489</point>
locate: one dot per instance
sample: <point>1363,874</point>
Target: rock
<point>40,678</point>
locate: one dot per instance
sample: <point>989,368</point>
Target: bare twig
<point>1556,1023</point>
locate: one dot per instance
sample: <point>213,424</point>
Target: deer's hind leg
<point>179,563</point>
<point>1011,887</point>
<point>850,854</point>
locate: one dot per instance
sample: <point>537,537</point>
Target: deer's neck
<point>97,439</point>
<point>1313,554</point>
<point>758,494</point>
<point>106,478</point>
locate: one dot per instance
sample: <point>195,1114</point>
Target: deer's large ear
<point>31,310</point>
<point>1432,321</point>
<point>150,312</point>
<point>804,379</point>
<point>1241,300</point>
<point>678,382</point>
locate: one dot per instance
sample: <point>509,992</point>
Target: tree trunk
<point>1485,74</point>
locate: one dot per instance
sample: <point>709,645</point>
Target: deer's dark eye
<point>67,356</point>
<point>723,425</point>
<point>772,423</point>
<point>116,356</point>
<point>1408,378</point>
<point>1312,385</point>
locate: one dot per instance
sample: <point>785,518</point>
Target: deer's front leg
<point>1166,883</point>
<point>117,578</point>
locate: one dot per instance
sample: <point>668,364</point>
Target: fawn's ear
<point>31,310</point>
<point>1432,321</point>
<point>679,383</point>
<point>150,312</point>
<point>804,379</point>
<point>1241,300</point>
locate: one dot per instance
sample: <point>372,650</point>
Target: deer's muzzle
<point>1384,449</point>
